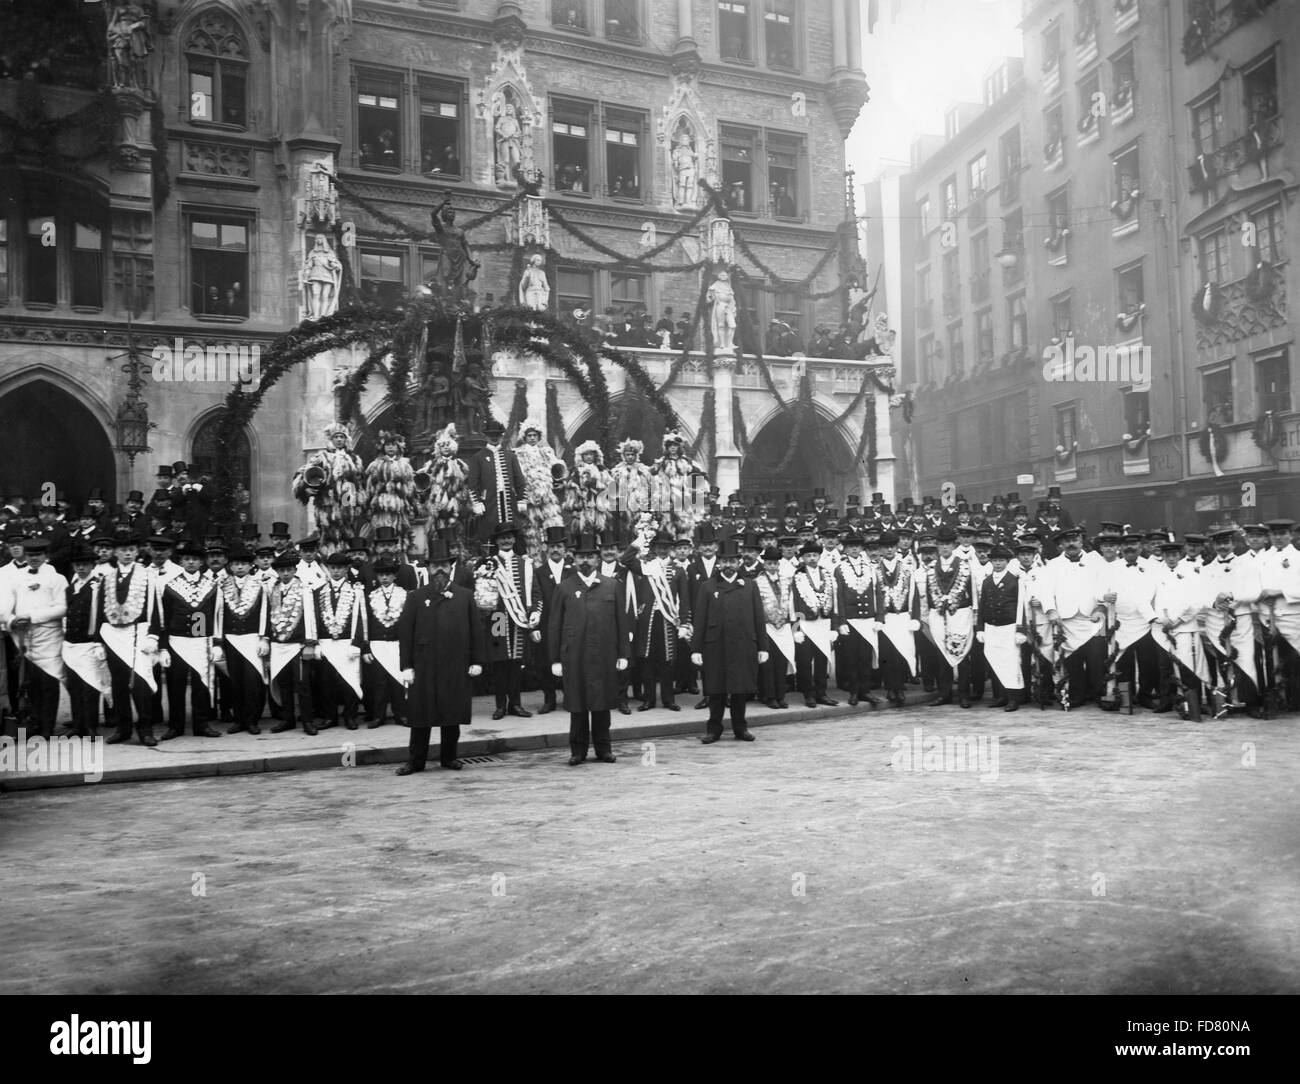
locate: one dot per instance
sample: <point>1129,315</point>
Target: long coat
<point>481,479</point>
<point>588,632</point>
<point>727,631</point>
<point>440,638</point>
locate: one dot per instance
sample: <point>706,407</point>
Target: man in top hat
<point>820,504</point>
<point>281,539</point>
<point>340,641</point>
<point>774,593</point>
<point>310,570</point>
<point>442,648</point>
<point>388,544</point>
<point>245,609</point>
<point>662,615</point>
<point>83,655</point>
<point>517,614</point>
<point>949,595</point>
<point>126,612</point>
<point>57,537</point>
<point>812,606</point>
<point>32,606</point>
<point>728,642</point>
<point>496,482</point>
<point>191,500</point>
<point>589,637</point>
<point>190,623</point>
<point>1073,599</point>
<point>383,678</point>
<point>999,627</point>
<point>555,566</point>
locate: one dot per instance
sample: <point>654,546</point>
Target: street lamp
<point>1008,257</point>
<point>132,419</point>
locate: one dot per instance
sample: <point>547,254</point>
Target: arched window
<point>216,58</point>
<point>204,454</point>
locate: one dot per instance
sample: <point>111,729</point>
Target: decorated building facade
<point>219,172</point>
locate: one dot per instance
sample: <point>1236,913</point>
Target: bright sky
<point>935,54</point>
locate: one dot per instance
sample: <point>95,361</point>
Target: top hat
<point>249,531</point>
<point>179,467</point>
<point>439,553</point>
<point>608,537</point>
<point>962,506</point>
<point>729,547</point>
<point>280,530</point>
<point>556,536</point>
<point>493,428</point>
<point>135,495</point>
<point>95,494</point>
<point>586,542</point>
<point>1053,493</point>
<point>705,533</point>
<point>877,498</point>
<point>852,501</point>
<point>164,470</point>
<point>819,493</point>
<point>386,534</point>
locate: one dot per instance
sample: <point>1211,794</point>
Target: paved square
<point>1109,854</point>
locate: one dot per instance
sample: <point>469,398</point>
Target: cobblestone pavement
<point>1097,853</point>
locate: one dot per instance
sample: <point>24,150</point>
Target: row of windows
<point>746,29</point>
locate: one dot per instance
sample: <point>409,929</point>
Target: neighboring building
<point>191,214</point>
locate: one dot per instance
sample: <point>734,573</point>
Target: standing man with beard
<point>517,614</point>
<point>662,608</point>
<point>589,641</point>
<point>729,642</point>
<point>495,482</point>
<point>442,647</point>
<point>556,566</point>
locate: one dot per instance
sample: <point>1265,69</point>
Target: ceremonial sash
<point>898,631</point>
<point>246,644</point>
<point>665,603</point>
<point>388,654</point>
<point>510,597</point>
<point>1002,653</point>
<point>196,653</point>
<point>345,658</point>
<point>88,663</point>
<point>783,639</point>
<point>865,628</point>
<point>124,642</point>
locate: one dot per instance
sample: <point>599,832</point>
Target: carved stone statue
<point>534,289</point>
<point>722,313</point>
<point>457,267</point>
<point>322,277</point>
<point>685,168</point>
<point>508,133</point>
<point>129,44</point>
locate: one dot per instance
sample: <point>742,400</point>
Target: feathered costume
<point>680,490</point>
<point>336,502</point>
<point>390,495</point>
<point>587,499</point>
<point>538,462</point>
<point>631,485</point>
<point>447,492</point>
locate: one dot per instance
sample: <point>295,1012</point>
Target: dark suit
<point>482,482</point>
<point>544,584</point>
<point>588,633</point>
<point>440,639</point>
<point>729,631</point>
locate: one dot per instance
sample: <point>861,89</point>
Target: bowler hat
<point>771,554</point>
<point>190,548</point>
<point>240,552</point>
<point>502,529</point>
<point>493,428</point>
<point>810,547</point>
<point>337,559</point>
<point>387,563</point>
<point>285,560</point>
<point>82,553</point>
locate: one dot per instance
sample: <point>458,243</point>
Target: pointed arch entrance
<point>51,437</point>
<point>786,458</point>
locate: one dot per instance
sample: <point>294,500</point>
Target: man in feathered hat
<point>631,485</point>
<point>448,482</point>
<point>539,466</point>
<point>334,490</point>
<point>390,498</point>
<point>587,500</point>
<point>679,487</point>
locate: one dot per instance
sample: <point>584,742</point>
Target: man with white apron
<point>191,625</point>
<point>384,602</point>
<point>83,654</point>
<point>998,628</point>
<point>32,613</point>
<point>341,639</point>
<point>856,617</point>
<point>128,629</point>
<point>245,608</point>
<point>1178,605</point>
<point>1234,585</point>
<point>950,599</point>
<point>1072,593</point>
<point>897,579</point>
<point>292,617</point>
<point>812,607</point>
<point>1129,593</point>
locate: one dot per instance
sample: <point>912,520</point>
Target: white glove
<point>408,677</point>
<point>762,657</point>
<point>521,506</point>
<point>833,636</point>
<point>478,508</point>
<point>979,636</point>
<point>621,664</point>
<point>798,637</point>
<point>150,645</point>
<point>844,630</point>
<point>557,668</point>
<point>879,626</point>
<point>218,653</point>
<point>263,648</point>
<point>164,658</point>
<point>354,652</point>
<point>475,669</point>
<point>537,636</point>
<point>697,659</point>
<point>1021,639</point>
<point>914,625</point>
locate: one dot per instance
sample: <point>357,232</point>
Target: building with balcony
<point>181,184</point>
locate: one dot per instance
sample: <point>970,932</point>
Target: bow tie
<point>31,572</point>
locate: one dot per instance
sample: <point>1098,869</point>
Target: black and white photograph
<point>650,497</point>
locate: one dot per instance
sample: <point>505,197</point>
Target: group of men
<point>150,633</point>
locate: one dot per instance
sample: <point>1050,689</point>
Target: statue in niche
<point>508,135</point>
<point>685,161</point>
<point>322,277</point>
<point>722,313</point>
<point>129,44</point>
<point>534,289</point>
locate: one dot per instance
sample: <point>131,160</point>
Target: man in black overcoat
<point>588,636</point>
<point>442,647</point>
<point>496,483</point>
<point>728,634</point>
